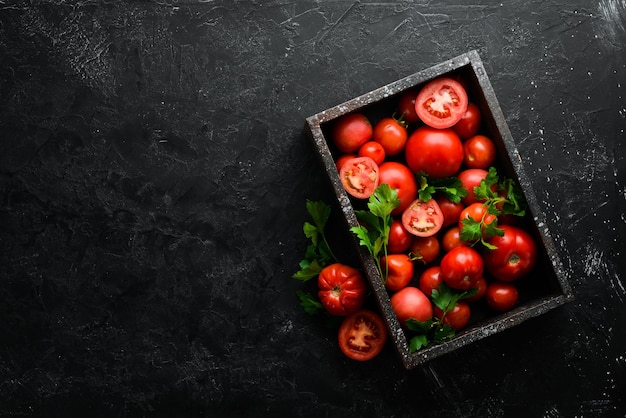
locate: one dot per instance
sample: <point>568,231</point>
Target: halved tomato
<point>362,335</point>
<point>359,176</point>
<point>423,219</point>
<point>441,103</point>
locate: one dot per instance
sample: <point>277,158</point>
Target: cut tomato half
<point>359,176</point>
<point>423,219</point>
<point>441,103</point>
<point>362,335</point>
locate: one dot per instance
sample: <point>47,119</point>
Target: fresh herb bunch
<point>450,187</point>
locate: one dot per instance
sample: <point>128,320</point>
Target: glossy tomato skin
<point>422,219</point>
<point>399,177</point>
<point>471,178</point>
<point>373,150</point>
<point>479,152</point>
<point>452,238</point>
<point>477,211</point>
<point>430,279</point>
<point>351,131</point>
<point>359,176</point>
<point>481,286</point>
<point>399,269</point>
<point>406,106</point>
<point>391,135</point>
<point>362,335</point>
<point>441,103</point>
<point>425,250</point>
<point>342,289</point>
<point>457,318</point>
<point>411,302</point>
<point>461,268</point>
<point>515,255</point>
<point>343,159</point>
<point>469,124</point>
<point>501,296</point>
<point>399,238</point>
<point>436,152</point>
<point>451,211</point>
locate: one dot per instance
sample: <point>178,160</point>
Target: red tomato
<point>501,296</point>
<point>351,131</point>
<point>481,286</point>
<point>342,289</point>
<point>359,176</point>
<point>429,280</point>
<point>479,152</point>
<point>436,152</point>
<point>452,238</point>
<point>441,103</point>
<point>391,135</point>
<point>461,268</point>
<point>457,318</point>
<point>400,271</point>
<point>514,256</point>
<point>406,106</point>
<point>477,211</point>
<point>451,211</point>
<point>373,150</point>
<point>425,249</point>
<point>362,335</point>
<point>411,302</point>
<point>399,177</point>
<point>422,219</point>
<point>399,238</point>
<point>342,160</point>
<point>471,178</point>
<point>470,122</point>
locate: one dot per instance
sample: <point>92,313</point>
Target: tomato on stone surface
<point>441,103</point>
<point>471,178</point>
<point>339,162</point>
<point>406,106</point>
<point>425,249</point>
<point>400,270</point>
<point>391,135</point>
<point>411,302</point>
<point>457,318</point>
<point>429,280</point>
<point>481,286</point>
<point>436,152</point>
<point>515,255</point>
<point>399,238</point>
<point>451,211</point>
<point>422,219</point>
<point>342,289</point>
<point>359,176</point>
<point>461,268</point>
<point>501,296</point>
<point>452,238</point>
<point>399,177</point>
<point>477,212</point>
<point>470,122</point>
<point>479,152</point>
<point>373,150</point>
<point>351,131</point>
<point>362,335</point>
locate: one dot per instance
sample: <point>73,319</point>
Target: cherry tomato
<point>359,176</point>
<point>477,212</point>
<point>399,268</point>
<point>411,302</point>
<point>342,160</point>
<point>391,135</point>
<point>406,106</point>
<point>451,211</point>
<point>351,131</point>
<point>399,177</point>
<point>441,103</point>
<point>362,335</point>
<point>471,178</point>
<point>481,286</point>
<point>452,238</point>
<point>373,150</point>
<point>436,152</point>
<point>479,152</point>
<point>425,249</point>
<point>501,296</point>
<point>470,122</point>
<point>342,289</point>
<point>461,268</point>
<point>457,318</point>
<point>422,219</point>
<point>399,238</point>
<point>514,256</point>
<point>429,280</point>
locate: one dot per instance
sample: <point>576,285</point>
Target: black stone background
<point>154,169</point>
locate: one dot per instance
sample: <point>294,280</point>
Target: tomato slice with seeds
<point>441,103</point>
<point>423,219</point>
<point>362,335</point>
<point>359,176</point>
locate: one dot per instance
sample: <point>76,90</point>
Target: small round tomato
<point>429,280</point>
<point>457,318</point>
<point>461,268</point>
<point>478,212</point>
<point>406,106</point>
<point>422,219</point>
<point>514,256</point>
<point>441,103</point>
<point>436,152</point>
<point>479,152</point>
<point>425,249</point>
<point>359,176</point>
<point>452,238</point>
<point>481,288</point>
<point>373,150</point>
<point>411,302</point>
<point>399,177</point>
<point>470,122</point>
<point>399,238</point>
<point>362,335</point>
<point>342,289</point>
<point>451,211</point>
<point>339,162</point>
<point>399,269</point>
<point>351,131</point>
<point>501,296</point>
<point>471,178</point>
<point>391,135</point>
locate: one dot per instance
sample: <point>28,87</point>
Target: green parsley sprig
<point>450,187</point>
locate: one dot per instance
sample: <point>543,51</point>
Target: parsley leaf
<point>450,187</point>
<point>309,303</point>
